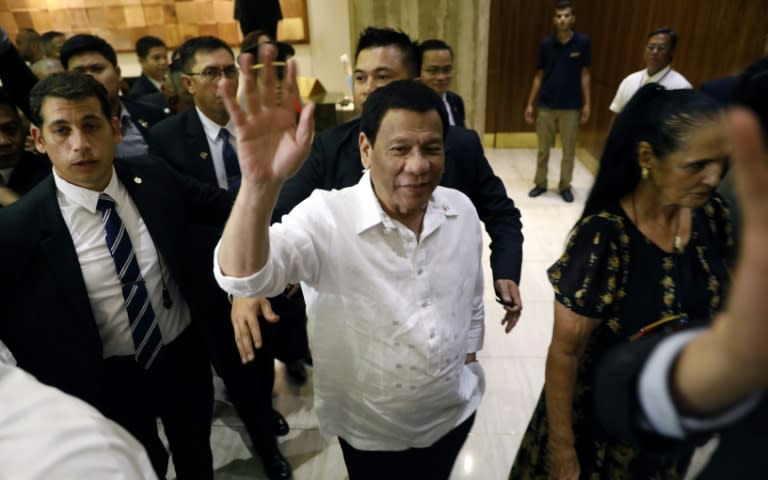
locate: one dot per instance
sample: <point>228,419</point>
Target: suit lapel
<point>58,250</point>
<point>197,149</point>
<point>149,201</point>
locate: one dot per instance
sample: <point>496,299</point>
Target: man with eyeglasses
<point>659,50</point>
<point>200,142</point>
<point>437,73</point>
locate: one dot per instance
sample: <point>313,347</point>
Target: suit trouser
<point>434,462</point>
<point>178,389</point>
<point>548,123</point>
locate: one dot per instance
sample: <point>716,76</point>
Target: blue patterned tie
<point>231,165</point>
<point>141,317</point>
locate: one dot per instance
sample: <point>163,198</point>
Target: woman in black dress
<point>647,256</point>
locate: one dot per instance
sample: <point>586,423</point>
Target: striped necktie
<point>231,165</point>
<point>141,317</point>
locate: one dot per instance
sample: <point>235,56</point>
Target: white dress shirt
<point>47,434</point>
<point>451,121</point>
<point>391,318</point>
<point>668,78</point>
<point>78,207</point>
<point>215,145</point>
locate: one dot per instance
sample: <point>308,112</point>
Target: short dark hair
<point>87,43</point>
<point>6,100</point>
<point>399,95</point>
<point>203,44</point>
<point>147,43</point>
<point>69,86</point>
<point>666,31</point>
<point>655,115</point>
<point>433,44</point>
<point>373,37</point>
<point>565,4</point>
<point>46,39</point>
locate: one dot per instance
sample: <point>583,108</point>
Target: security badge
<point>143,123</point>
<point>204,155</point>
<point>137,180</point>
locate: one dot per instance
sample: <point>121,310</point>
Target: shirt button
<point>425,304</point>
<point>399,365</point>
<point>419,271</point>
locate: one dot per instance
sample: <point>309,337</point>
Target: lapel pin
<point>204,155</point>
<point>143,123</point>
<point>137,180</point>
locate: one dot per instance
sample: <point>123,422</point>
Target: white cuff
<point>251,286</point>
<point>656,399</point>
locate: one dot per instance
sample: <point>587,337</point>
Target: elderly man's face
<point>406,163</point>
<point>12,136</point>
<point>79,140</point>
<point>376,67</point>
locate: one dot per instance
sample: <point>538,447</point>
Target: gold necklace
<point>677,241</point>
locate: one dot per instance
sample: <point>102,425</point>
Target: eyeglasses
<point>212,74</point>
<point>658,47</point>
<point>446,70</point>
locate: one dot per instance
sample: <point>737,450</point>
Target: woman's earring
<point>644,173</point>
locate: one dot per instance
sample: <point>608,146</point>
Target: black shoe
<point>297,372</point>
<point>276,466</point>
<point>537,190</point>
<point>567,195</point>
<point>280,427</point>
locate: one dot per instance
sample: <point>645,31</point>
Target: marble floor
<point>513,363</point>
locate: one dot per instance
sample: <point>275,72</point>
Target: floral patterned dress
<point>611,271</point>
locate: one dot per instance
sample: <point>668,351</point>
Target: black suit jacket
<point>47,321</point>
<point>457,108</point>
<point>741,451</point>
<point>142,86</point>
<point>30,171</point>
<point>334,162</point>
<point>180,140</point>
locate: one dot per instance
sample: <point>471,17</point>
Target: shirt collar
<point>370,213</point>
<point>84,197</point>
<point>124,114</point>
<point>657,76</point>
<point>212,128</point>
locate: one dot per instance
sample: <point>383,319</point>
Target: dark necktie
<point>146,333</point>
<point>231,165</point>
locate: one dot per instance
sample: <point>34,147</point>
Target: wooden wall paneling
<point>134,16</point>
<point>229,32</point>
<point>79,18</point>
<point>41,21</point>
<point>7,18</point>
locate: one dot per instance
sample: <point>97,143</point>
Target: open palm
<point>271,146</point>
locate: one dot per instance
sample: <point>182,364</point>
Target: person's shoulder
<point>341,132</point>
<point>460,136</point>
<point>581,37</point>
<point>679,81</point>
<point>173,122</point>
<point>453,198</point>
<point>608,222</point>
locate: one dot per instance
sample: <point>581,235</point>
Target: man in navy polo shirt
<point>561,83</point>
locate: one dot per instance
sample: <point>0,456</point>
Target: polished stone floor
<point>514,363</point>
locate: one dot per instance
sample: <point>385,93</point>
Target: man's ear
<point>37,136</point>
<point>117,134</point>
<point>365,150</point>
<point>186,80</point>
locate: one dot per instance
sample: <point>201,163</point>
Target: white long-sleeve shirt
<point>391,318</point>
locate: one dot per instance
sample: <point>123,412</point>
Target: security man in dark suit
<point>436,72</point>
<point>101,279</point>
<point>19,170</point>
<point>384,55</point>
<point>199,143</point>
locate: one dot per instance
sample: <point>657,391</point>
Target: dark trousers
<point>431,463</point>
<point>178,389</point>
